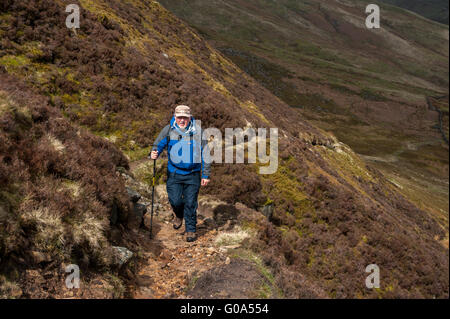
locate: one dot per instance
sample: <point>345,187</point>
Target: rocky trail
<point>171,266</point>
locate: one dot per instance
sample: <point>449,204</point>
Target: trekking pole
<point>153,196</point>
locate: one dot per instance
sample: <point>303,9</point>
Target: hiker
<point>185,172</point>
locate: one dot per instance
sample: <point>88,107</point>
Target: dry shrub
<point>236,237</point>
<point>90,231</point>
<point>236,183</point>
<point>59,185</point>
<point>45,228</point>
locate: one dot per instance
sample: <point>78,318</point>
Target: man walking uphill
<point>186,169</point>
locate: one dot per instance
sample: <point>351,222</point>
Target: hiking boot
<point>190,237</point>
<point>177,222</point>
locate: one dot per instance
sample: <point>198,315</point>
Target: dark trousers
<point>183,193</point>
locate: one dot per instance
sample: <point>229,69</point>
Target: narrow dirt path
<point>171,264</point>
<point>176,264</point>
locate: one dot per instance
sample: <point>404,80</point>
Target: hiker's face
<point>182,121</point>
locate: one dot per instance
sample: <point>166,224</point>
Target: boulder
<point>121,255</point>
<point>134,196</point>
<point>137,217</point>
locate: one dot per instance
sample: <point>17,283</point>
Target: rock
<point>134,196</point>
<point>266,210</point>
<point>121,255</point>
<point>139,210</point>
<point>227,261</point>
<point>136,219</point>
<point>114,214</point>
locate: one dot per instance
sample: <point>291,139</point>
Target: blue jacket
<point>186,149</point>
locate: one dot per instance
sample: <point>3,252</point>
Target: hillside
<point>368,87</point>
<point>436,10</point>
<point>332,214</point>
<point>58,189</point>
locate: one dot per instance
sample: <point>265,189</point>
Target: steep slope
<point>332,214</point>
<point>368,87</point>
<point>58,188</point>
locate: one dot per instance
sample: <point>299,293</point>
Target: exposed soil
<point>168,270</point>
<point>239,279</point>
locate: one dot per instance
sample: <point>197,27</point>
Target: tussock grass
<point>90,230</point>
<point>232,238</point>
<point>55,143</point>
<point>49,228</point>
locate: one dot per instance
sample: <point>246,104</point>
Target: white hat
<point>182,110</point>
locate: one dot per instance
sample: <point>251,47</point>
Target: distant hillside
<point>368,87</point>
<point>436,10</point>
<point>119,78</point>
